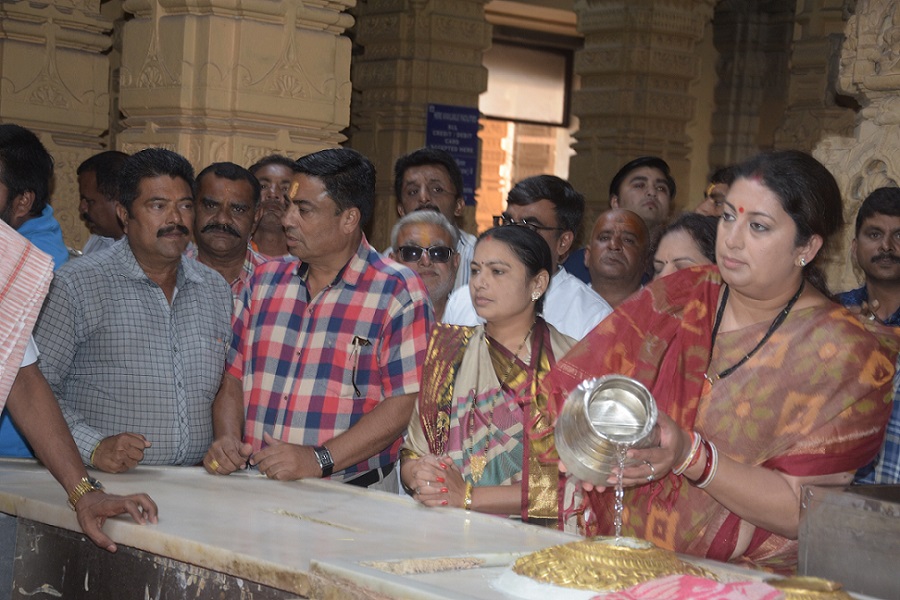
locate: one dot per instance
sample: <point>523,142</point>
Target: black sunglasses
<point>438,254</point>
<point>504,220</point>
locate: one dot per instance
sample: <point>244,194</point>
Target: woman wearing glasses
<point>479,432</point>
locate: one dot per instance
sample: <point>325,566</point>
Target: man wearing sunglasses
<point>424,241</point>
<point>430,179</point>
<point>552,208</point>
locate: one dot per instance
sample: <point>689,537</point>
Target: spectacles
<point>504,220</point>
<point>438,254</point>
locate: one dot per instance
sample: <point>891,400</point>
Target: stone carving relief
<point>859,166</point>
<point>287,77</point>
<point>872,47</point>
<point>45,87</point>
<point>870,158</point>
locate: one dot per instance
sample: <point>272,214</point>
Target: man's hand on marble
<point>94,508</point>
<point>118,453</point>
<point>227,455</point>
<point>286,462</point>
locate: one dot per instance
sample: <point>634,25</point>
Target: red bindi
<point>740,209</point>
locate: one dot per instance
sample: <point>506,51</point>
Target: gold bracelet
<point>467,501</point>
<point>85,486</point>
<point>93,453</point>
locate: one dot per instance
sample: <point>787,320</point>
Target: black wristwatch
<point>326,463</point>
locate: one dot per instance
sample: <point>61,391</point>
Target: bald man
<point>616,255</point>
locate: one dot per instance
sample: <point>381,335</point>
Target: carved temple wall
<point>699,82</point>
<point>867,156</point>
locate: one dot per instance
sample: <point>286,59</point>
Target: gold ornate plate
<point>602,565</point>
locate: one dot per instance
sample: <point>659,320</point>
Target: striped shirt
<point>311,368</point>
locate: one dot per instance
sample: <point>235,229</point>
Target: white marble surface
<point>268,531</point>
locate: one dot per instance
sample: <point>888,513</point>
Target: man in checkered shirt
<point>876,248</point>
<point>326,355</point>
<point>133,338</point>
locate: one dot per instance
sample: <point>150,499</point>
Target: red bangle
<point>709,463</point>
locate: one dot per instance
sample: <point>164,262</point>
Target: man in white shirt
<point>430,179</point>
<point>551,207</point>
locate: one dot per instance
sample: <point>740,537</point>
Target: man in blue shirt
<point>876,247</point>
<point>26,169</point>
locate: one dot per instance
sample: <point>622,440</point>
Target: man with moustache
<point>226,198</point>
<point>98,188</point>
<point>876,247</point>
<point>327,354</point>
<point>133,339</point>
<point>424,241</point>
<point>274,173</point>
<point>616,255</point>
<point>25,274</point>
<point>430,179</point>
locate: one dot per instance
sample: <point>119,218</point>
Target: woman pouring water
<point>762,383</point>
<point>480,431</point>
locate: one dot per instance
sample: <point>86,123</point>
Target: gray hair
<point>425,217</point>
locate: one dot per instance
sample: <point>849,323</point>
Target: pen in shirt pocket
<point>357,343</point>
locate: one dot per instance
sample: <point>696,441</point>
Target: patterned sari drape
<point>814,400</point>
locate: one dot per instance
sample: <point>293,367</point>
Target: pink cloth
<point>25,274</point>
<point>689,587</point>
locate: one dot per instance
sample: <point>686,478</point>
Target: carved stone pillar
<point>753,38</point>
<point>413,53</point>
<point>222,80</point>
<point>870,157</point>
<point>636,68</point>
<point>813,109</point>
<point>55,81</point>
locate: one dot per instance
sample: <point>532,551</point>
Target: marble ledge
<point>271,532</point>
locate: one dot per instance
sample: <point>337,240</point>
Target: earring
<point>535,295</point>
<point>802,261</point>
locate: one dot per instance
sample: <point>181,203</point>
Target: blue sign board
<point>455,130</point>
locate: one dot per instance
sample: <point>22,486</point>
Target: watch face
<point>324,457</point>
<point>94,483</point>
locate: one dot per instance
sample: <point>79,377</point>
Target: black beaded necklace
<point>779,319</point>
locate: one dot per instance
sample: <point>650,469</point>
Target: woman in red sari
<point>763,384</point>
<point>480,432</point>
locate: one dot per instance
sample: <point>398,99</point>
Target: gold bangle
<point>467,501</point>
<point>85,486</point>
<point>93,453</point>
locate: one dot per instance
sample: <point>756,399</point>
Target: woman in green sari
<point>480,433</point>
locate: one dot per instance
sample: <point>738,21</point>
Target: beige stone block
<point>235,81</point>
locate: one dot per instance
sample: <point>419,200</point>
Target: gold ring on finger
<point>214,465</point>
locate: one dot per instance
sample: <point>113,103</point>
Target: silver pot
<point>599,416</point>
